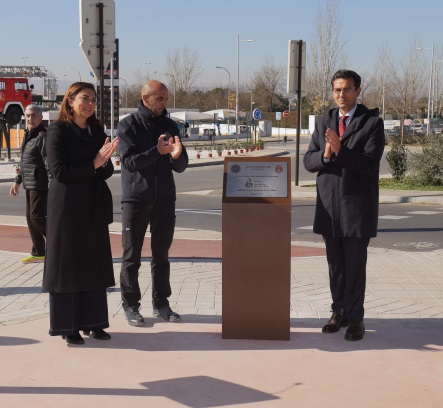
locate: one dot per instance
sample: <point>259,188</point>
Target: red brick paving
<point>17,239</point>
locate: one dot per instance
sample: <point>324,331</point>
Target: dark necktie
<point>342,125</point>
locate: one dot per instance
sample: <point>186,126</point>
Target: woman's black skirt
<point>71,312</point>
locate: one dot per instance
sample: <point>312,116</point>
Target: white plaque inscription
<point>261,179</point>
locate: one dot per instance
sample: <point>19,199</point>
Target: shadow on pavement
<point>195,392</point>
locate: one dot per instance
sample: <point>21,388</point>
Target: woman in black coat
<point>78,264</point>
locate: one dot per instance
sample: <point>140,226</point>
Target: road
<point>199,202</point>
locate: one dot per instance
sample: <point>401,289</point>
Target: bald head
<point>155,96</point>
<point>152,86</point>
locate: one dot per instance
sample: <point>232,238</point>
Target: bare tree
<point>183,64</point>
<point>267,82</point>
<point>438,94</point>
<point>375,89</point>
<point>325,57</point>
<point>132,92</point>
<point>407,82</point>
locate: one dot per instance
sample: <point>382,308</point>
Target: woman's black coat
<point>78,250</point>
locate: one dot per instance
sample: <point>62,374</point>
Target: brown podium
<point>256,248</point>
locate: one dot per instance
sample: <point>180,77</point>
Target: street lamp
<point>252,115</point>
<point>175,85</point>
<point>79,76</point>
<point>238,80</point>
<point>24,60</point>
<point>435,91</point>
<point>229,90</point>
<point>126,91</point>
<point>430,86</point>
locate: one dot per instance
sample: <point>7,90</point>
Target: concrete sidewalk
<point>399,363</point>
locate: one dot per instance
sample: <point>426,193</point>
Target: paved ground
<point>399,363</point>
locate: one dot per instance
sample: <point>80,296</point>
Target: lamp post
<point>79,76</point>
<point>430,86</point>
<point>24,60</point>
<point>252,103</point>
<point>229,91</point>
<point>435,90</point>
<point>175,85</point>
<point>126,91</point>
<point>238,80</point>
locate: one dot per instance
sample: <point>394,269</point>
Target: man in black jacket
<point>150,150</point>
<point>345,152</point>
<point>34,176</point>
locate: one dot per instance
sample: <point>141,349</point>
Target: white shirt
<point>349,115</point>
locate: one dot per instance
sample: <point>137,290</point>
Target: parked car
<point>394,135</point>
<point>418,128</point>
<point>437,129</point>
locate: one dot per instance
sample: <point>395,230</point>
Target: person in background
<point>345,152</point>
<point>78,265</point>
<point>34,175</point>
<point>151,150</point>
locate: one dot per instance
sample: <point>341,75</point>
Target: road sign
<point>90,32</point>
<point>285,114</point>
<point>296,66</point>
<point>256,114</point>
<point>277,115</point>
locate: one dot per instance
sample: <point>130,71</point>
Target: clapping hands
<point>105,153</point>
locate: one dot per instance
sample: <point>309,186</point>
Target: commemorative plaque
<point>257,179</point>
<point>256,248</point>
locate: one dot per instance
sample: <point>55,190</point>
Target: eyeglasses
<point>346,91</point>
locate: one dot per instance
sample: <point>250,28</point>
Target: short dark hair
<point>347,74</point>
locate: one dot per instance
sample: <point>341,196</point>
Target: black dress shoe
<point>98,334</point>
<point>334,324</point>
<point>355,331</point>
<point>73,338</point>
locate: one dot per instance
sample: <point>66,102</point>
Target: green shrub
<point>397,160</point>
<point>426,165</point>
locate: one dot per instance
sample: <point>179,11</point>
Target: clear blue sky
<point>47,33</point>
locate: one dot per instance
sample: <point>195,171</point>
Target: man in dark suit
<point>345,152</point>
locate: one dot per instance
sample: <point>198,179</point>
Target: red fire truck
<point>15,96</point>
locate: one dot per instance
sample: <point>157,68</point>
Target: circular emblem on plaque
<point>235,168</point>
<point>279,168</point>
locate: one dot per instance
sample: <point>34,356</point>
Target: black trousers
<point>347,258</point>
<point>71,312</point>
<point>36,209</point>
<point>135,220</point>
